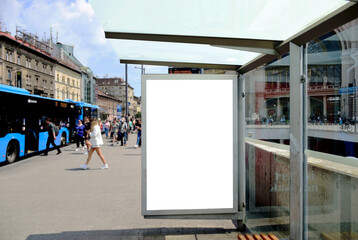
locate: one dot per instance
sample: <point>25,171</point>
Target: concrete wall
<point>332,187</point>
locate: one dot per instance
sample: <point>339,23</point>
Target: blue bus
<point>22,121</point>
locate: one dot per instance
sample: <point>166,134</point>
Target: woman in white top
<point>96,142</point>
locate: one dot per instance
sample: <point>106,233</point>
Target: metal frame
<point>328,23</point>
<point>227,213</point>
<point>182,64</point>
<point>222,41</point>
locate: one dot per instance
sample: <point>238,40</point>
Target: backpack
<point>55,128</point>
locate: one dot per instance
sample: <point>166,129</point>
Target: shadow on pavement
<point>142,234</point>
<point>76,169</point>
<point>81,169</point>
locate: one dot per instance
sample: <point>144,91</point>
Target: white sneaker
<point>85,153</point>
<point>136,146</point>
<point>83,148</point>
<point>105,166</point>
<point>76,149</point>
<point>84,166</point>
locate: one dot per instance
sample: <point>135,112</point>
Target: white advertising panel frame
<point>170,182</point>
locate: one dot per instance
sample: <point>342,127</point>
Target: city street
<point>50,197</point>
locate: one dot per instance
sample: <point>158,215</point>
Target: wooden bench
<point>262,236</point>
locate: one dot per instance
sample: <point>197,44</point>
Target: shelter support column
<point>241,149</point>
<point>297,142</point>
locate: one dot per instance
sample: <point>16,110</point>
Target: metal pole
<point>355,104</point>
<point>241,150</point>
<point>297,143</point>
<point>126,72</point>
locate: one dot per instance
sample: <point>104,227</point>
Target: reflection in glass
<point>332,137</point>
<point>267,151</point>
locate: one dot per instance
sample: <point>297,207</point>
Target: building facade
<point>117,88</point>
<point>109,105</point>
<point>88,92</point>
<point>27,64</point>
<point>68,73</point>
<point>67,83</point>
<point>137,104</point>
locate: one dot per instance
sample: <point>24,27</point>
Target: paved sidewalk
<point>51,198</point>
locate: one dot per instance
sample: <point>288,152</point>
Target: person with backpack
<point>52,133</point>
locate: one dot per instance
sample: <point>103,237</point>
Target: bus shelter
<point>229,35</point>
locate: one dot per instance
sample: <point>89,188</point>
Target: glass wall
<point>267,148</point>
<point>331,133</point>
<point>332,137</point>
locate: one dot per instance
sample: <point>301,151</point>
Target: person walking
<point>86,134</point>
<point>107,125</point>
<point>96,141</point>
<point>79,137</point>
<point>51,136</point>
<point>123,132</point>
<point>114,130</point>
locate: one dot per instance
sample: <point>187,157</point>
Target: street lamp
<point>142,69</point>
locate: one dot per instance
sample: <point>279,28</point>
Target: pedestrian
<point>123,133</point>
<point>96,141</point>
<point>79,137</point>
<point>107,125</point>
<point>114,131</point>
<point>139,133</point>
<point>51,136</point>
<point>86,134</point>
<point>130,125</point>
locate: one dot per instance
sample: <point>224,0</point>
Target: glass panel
<point>332,137</point>
<point>255,19</point>
<point>267,148</point>
<point>179,52</point>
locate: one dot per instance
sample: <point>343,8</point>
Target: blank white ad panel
<point>189,144</point>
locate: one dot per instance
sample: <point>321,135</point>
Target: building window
<point>7,56</point>
<point>28,63</point>
<point>58,77</point>
<point>50,71</point>
<point>9,74</point>
<point>68,81</point>
<point>37,66</point>
<point>10,55</point>
<point>18,60</point>
<point>57,92</point>
<point>44,68</point>
<point>63,79</point>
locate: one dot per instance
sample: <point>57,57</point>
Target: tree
<point>138,115</point>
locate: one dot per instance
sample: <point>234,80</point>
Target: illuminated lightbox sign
<point>188,131</point>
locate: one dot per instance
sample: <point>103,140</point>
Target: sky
<point>77,25</point>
